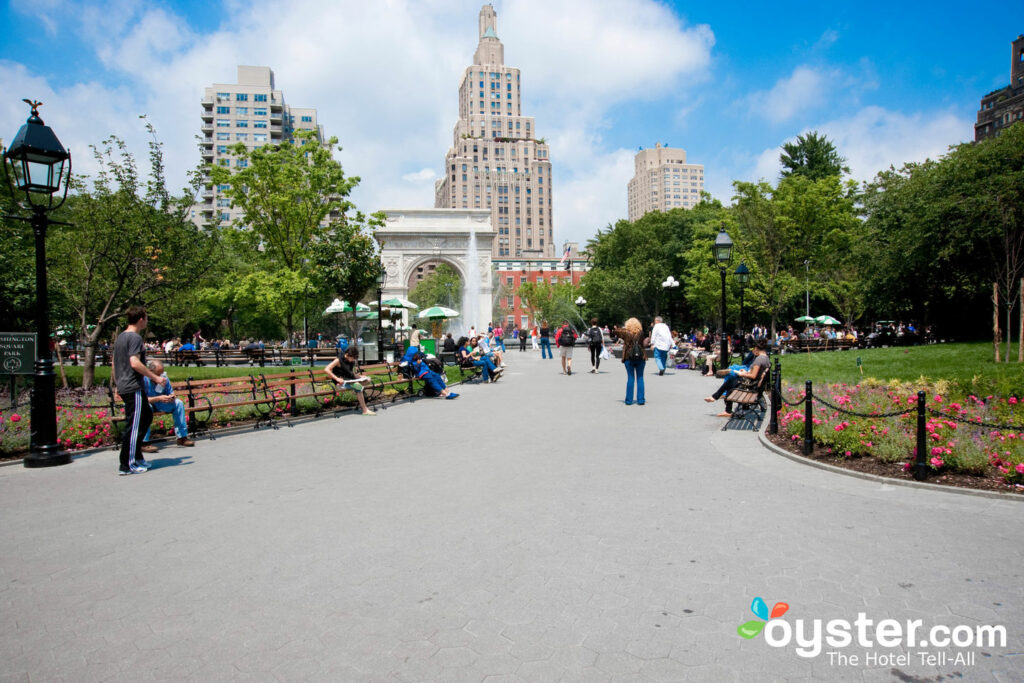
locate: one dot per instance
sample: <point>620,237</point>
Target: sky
<point>889,83</point>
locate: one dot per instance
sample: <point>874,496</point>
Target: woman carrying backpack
<point>634,358</point>
<point>595,342</point>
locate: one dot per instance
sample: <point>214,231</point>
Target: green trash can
<point>428,346</point>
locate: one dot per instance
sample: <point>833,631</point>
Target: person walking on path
<point>162,400</point>
<point>522,339</point>
<point>545,340</point>
<point>129,369</point>
<point>595,342</point>
<point>634,358</point>
<point>534,337</point>
<point>661,342</point>
<point>566,340</point>
<point>351,376</point>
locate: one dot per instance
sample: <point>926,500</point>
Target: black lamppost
<point>743,275</point>
<point>722,251</point>
<point>382,277</point>
<point>40,165</point>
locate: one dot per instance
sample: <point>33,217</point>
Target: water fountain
<point>469,314</point>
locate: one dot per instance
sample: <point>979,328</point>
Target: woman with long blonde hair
<point>634,358</point>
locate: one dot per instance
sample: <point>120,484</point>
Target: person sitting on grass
<point>162,400</point>
<point>434,384</point>
<point>351,376</point>
<point>759,364</point>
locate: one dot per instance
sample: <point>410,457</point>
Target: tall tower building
<point>663,180</point>
<point>496,161</point>
<point>252,112</point>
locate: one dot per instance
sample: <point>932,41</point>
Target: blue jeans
<point>178,408</point>
<point>660,357</point>
<point>487,365</point>
<point>545,347</point>
<point>635,372</point>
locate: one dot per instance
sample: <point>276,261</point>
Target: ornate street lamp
<point>722,251</point>
<point>41,168</point>
<point>580,303</point>
<point>382,277</point>
<point>743,275</point>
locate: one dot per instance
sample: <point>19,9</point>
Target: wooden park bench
<point>748,402</point>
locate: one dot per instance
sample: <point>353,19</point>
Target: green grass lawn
<point>968,367</point>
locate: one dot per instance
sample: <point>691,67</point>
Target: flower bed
<point>959,441</point>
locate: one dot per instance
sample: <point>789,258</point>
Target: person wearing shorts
<point>566,340</point>
<point>351,377</point>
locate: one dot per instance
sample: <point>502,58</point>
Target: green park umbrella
<point>339,306</point>
<point>827,320</point>
<point>805,319</point>
<point>397,302</point>
<point>437,313</point>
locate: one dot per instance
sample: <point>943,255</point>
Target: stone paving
<point>536,529</point>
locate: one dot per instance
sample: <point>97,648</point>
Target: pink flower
<point>937,462</point>
<point>906,467</point>
<point>938,399</point>
<point>795,437</point>
<point>1020,468</point>
<point>1013,400</point>
<point>15,418</point>
<point>848,454</point>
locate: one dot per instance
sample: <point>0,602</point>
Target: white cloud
<point>874,138</point>
<point>806,88</point>
<point>421,176</point>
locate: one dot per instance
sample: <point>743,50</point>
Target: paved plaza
<point>536,529</point>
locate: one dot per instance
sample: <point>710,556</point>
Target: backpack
<point>566,337</point>
<point>596,338</point>
<point>636,350</point>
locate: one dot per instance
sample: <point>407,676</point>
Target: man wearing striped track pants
<point>129,369</point>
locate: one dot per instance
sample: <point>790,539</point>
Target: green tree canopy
<point>443,287</point>
<point>813,156</point>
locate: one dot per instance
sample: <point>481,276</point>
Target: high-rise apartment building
<point>663,180</point>
<point>252,112</point>
<point>1005,106</point>
<point>496,161</point>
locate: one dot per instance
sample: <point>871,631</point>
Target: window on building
<point>307,119</point>
<point>224,162</point>
<point>222,149</point>
<point>223,136</point>
<point>223,123</point>
<point>241,97</point>
<point>223,96</point>
<point>259,124</point>
<point>259,111</point>
<point>223,110</point>
<point>241,111</point>
<point>241,163</point>
<point>259,98</point>
<point>259,137</point>
<point>242,123</point>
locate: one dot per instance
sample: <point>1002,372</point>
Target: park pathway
<point>536,529</point>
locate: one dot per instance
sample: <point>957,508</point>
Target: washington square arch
<point>414,241</point>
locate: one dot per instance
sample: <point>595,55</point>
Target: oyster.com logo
<point>760,609</point>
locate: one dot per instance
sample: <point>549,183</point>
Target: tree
<point>443,287</point>
<point>295,212</point>
<point>551,302</point>
<point>813,156</point>
<point>129,243</point>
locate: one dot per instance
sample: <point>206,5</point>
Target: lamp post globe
<point>37,164</point>
<point>668,285</point>
<point>722,252</point>
<point>580,303</point>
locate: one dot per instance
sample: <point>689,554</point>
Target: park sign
<point>17,353</point>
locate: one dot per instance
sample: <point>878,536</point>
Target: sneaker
<point>136,469</point>
<point>124,473</point>
<point>148,448</point>
<point>142,462</point>
<point>186,442</point>
<point>369,413</point>
<point>661,372</point>
<point>593,371</point>
<point>451,396</point>
<point>503,365</point>
<point>569,371</point>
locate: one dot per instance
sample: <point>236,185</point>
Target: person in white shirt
<point>661,342</point>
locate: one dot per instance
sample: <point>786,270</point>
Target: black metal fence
<point>920,466</point>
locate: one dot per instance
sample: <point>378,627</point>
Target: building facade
<point>252,112</point>
<point>509,274</point>
<point>663,180</point>
<point>1003,107</point>
<point>496,162</point>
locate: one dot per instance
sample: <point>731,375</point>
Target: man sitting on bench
<point>351,377</point>
<point>759,365</point>
<point>162,400</point>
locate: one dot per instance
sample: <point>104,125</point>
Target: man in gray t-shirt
<point>129,369</point>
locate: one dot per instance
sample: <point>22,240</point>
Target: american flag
<point>565,256</point>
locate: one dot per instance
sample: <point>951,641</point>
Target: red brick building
<point>513,272</point>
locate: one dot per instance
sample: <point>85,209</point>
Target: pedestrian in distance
<point>522,339</point>
<point>661,342</point>
<point>129,370</point>
<point>566,341</point>
<point>595,342</point>
<point>634,358</point>
<point>545,340</point>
